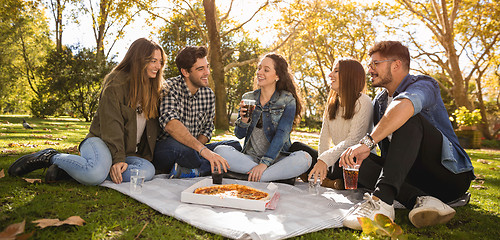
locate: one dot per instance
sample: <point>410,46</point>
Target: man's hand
<point>116,172</point>
<point>354,155</point>
<point>256,173</point>
<point>319,171</point>
<point>215,160</point>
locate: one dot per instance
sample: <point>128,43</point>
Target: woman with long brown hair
<point>123,132</point>
<point>265,155</point>
<point>347,118</point>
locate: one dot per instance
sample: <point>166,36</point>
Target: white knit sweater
<point>342,133</point>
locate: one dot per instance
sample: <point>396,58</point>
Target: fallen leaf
<point>51,143</point>
<point>479,177</point>
<point>13,145</point>
<point>33,180</point>
<point>2,174</point>
<point>9,151</point>
<point>478,187</point>
<point>381,225</point>
<point>73,220</point>
<point>478,181</point>
<point>12,230</point>
<point>483,161</point>
<point>73,149</point>
<point>494,169</point>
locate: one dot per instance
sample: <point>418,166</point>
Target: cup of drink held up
<point>351,177</point>
<point>249,104</point>
<point>216,176</point>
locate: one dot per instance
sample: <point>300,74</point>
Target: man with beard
<point>187,111</point>
<point>422,165</point>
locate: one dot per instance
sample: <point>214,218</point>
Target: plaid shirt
<point>196,111</point>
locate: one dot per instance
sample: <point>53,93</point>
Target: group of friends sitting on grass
<point>159,125</point>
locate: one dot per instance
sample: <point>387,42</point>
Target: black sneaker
<point>31,162</point>
<point>54,174</point>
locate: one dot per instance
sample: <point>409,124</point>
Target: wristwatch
<point>368,141</point>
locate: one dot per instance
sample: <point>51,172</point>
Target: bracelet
<point>203,148</point>
<point>370,137</point>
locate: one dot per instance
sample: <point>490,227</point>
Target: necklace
<point>138,110</point>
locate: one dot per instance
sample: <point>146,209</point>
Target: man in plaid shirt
<point>187,111</point>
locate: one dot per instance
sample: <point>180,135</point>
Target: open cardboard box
<point>189,196</point>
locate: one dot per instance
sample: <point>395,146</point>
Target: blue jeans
<point>169,151</point>
<point>283,168</point>
<point>92,167</point>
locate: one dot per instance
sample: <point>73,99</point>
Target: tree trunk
<point>101,20</point>
<point>217,66</point>
<point>459,90</point>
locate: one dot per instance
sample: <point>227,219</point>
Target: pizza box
<point>188,196</point>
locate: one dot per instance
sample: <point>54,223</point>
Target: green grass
<point>112,215</point>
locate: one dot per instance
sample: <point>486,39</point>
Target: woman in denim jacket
<point>265,155</point>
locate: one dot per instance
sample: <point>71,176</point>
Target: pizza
<point>233,191</point>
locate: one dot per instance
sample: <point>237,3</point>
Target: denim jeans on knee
<point>92,167</point>
<point>135,162</point>
<point>283,168</point>
<point>169,151</point>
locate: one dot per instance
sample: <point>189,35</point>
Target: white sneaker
<point>429,211</point>
<point>368,209</point>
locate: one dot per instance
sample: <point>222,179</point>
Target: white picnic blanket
<point>297,211</point>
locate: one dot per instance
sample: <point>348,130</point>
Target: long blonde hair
<point>144,91</point>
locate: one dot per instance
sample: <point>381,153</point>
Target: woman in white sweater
<point>347,118</point>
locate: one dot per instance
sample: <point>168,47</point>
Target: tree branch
<point>250,19</point>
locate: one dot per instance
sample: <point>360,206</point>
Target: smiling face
<point>154,64</point>
<point>197,76</point>
<point>266,73</point>
<point>380,71</point>
<point>334,77</point>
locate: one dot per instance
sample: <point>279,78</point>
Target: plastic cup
<point>136,181</point>
<point>249,104</point>
<point>314,186</point>
<point>351,177</point>
<point>216,176</point>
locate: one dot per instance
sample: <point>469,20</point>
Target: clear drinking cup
<point>136,180</point>
<point>249,104</point>
<point>351,177</point>
<point>314,186</point>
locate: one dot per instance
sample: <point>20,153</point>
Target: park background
<point>54,55</point>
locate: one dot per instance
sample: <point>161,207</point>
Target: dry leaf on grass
<point>9,151</point>
<point>478,187</point>
<point>73,149</point>
<point>50,143</point>
<point>73,220</point>
<point>15,144</point>
<point>33,180</point>
<point>2,173</point>
<point>12,230</point>
<point>483,161</point>
<point>479,177</point>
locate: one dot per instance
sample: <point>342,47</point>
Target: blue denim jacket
<point>277,122</point>
<point>423,92</point>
